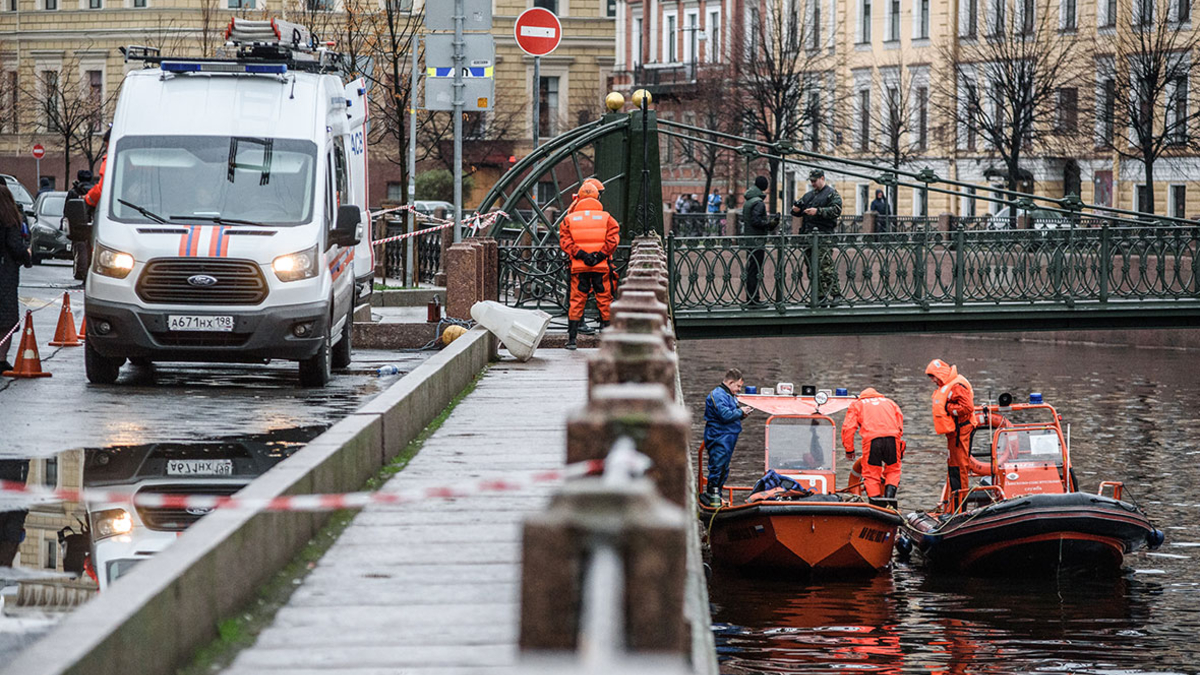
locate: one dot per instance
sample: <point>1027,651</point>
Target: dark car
<point>47,228</point>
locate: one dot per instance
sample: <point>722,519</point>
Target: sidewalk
<point>434,587</point>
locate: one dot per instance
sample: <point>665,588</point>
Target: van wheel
<point>315,371</point>
<point>343,350</point>
<point>100,369</point>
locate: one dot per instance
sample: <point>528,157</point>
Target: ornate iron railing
<point>698,224</point>
<point>924,269</point>
<point>537,277</point>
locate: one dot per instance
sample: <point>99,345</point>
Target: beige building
<point>871,65</point>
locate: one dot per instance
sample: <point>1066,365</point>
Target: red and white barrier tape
<point>476,222</point>
<point>11,332</point>
<point>325,502</point>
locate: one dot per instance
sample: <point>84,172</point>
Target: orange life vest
<point>943,421</point>
<point>589,231</point>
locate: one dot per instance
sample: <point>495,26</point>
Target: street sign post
<point>38,153</point>
<point>538,32</point>
<point>477,15</point>
<point>478,76</point>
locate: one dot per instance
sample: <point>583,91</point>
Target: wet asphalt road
<point>167,402</point>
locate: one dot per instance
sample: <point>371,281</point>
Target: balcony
<point>663,79</point>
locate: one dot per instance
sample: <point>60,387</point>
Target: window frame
<point>712,42</point>
<point>1173,209</point>
<point>669,38</point>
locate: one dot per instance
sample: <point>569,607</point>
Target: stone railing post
<point>944,221</point>
<point>868,222</point>
<point>464,262</point>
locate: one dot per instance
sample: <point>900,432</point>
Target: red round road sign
<point>38,151</point>
<point>538,31</point>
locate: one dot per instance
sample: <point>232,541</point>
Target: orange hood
<point>585,204</point>
<point>869,392</point>
<point>942,371</point>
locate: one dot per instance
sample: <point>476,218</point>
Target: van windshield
<point>264,180</point>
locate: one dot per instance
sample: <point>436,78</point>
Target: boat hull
<point>802,536</point>
<point>1036,533</point>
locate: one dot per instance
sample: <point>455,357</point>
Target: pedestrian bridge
<point>1087,267</point>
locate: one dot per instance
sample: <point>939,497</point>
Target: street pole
<point>37,162</point>
<point>411,277</point>
<point>537,101</point>
<point>459,16</point>
<point>645,166</point>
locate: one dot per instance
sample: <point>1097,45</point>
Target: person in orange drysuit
<point>92,198</point>
<point>879,421</point>
<point>589,235</point>
<point>953,417</point>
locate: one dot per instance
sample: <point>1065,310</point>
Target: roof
<point>795,405</point>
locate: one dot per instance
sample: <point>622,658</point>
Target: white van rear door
<point>356,155</point>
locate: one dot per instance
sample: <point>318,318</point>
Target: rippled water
<point>1133,418</point>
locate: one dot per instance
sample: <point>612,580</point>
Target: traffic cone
<point>83,328</point>
<point>29,364</point>
<point>64,335</point>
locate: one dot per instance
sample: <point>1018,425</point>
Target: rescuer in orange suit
<point>589,236</point>
<point>953,417</point>
<point>92,198</point>
<point>879,421</point>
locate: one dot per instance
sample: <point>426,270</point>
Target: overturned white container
<point>520,330</point>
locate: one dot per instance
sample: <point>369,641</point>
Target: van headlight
<point>112,263</point>
<point>110,523</point>
<point>296,266</point>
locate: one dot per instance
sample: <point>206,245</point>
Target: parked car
<point>429,207</point>
<point>1042,219</point>
<point>48,230</point>
<point>24,201</point>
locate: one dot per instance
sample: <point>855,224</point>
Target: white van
<point>232,225</point>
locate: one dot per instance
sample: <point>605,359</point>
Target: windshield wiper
<point>222,221</point>
<point>144,211</point>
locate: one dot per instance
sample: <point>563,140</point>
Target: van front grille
<point>238,282</point>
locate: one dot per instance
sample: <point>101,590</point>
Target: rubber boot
<point>712,497</point>
<point>603,325</point>
<point>572,331</point>
<point>888,500</point>
<point>584,328</point>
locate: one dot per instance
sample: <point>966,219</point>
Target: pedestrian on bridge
<point>883,212</point>
<point>722,426</point>
<point>14,253</point>
<point>820,209</point>
<point>714,201</point>
<point>589,235</point>
<point>879,421</point>
<point>953,417</point>
<point>756,226</point>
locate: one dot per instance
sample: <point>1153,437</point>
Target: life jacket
<point>589,230</point>
<point>943,421</point>
<point>873,415</point>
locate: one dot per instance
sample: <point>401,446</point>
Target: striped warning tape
<point>476,222</point>
<point>322,502</point>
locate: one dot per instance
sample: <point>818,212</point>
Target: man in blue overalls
<point>722,425</point>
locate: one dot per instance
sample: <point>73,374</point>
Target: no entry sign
<point>38,151</point>
<point>538,31</point>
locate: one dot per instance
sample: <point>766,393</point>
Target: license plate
<point>222,324</point>
<point>200,467</point>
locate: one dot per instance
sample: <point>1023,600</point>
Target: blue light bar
<point>272,69</point>
<point>212,67</point>
<point>177,67</point>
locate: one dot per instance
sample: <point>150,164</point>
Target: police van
<point>232,224</point>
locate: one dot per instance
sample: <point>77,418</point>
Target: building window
<point>50,472</point>
<point>548,118</point>
<point>814,30</point>
<point>923,20</point>
<point>998,7</point>
<point>691,46</point>
<point>1070,18</point>
<point>1183,11</point>
<point>1068,110</point>
<point>1178,204</point>
<point>249,4</point>
<point>969,206</point>
<point>713,35</point>
<point>637,41</point>
<point>1141,199</point>
<point>755,28</point>
<point>1143,12</point>
<point>8,103</point>
<point>95,80</point>
<point>671,37</point>
<point>864,27</point>
<point>970,108</point>
<point>395,191</point>
<point>864,120</point>
<point>94,4</point>
<point>551,5</point>
<point>139,3</point>
<point>922,118</point>
<point>864,198</point>
<point>51,4</point>
<point>1177,113</point>
<point>546,193</point>
<point>920,202</point>
<point>972,17</point>
<point>893,20</point>
<point>814,121</point>
<point>50,561</point>
<point>50,103</point>
<point>1108,110</point>
<point>1109,19</point>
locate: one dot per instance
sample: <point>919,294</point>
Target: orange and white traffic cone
<point>83,328</point>
<point>29,363</point>
<point>64,335</point>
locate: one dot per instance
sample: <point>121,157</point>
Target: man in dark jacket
<point>883,212</point>
<point>820,208</point>
<point>756,225</point>
<point>722,426</point>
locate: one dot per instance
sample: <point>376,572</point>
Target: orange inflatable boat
<point>814,528</point>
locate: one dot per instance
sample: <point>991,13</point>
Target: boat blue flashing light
<point>1035,398</point>
<point>841,391</point>
<point>204,67</point>
<point>751,389</point>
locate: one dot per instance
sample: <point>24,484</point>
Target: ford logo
<point>201,280</point>
<point>199,510</point>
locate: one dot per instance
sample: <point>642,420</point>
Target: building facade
<point>933,84</point>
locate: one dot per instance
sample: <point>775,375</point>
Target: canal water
<point>1133,418</point>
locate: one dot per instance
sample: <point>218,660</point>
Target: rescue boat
<point>813,527</point>
<point>1025,514</point>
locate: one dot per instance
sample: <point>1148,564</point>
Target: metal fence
<point>537,277</point>
<point>699,224</point>
<point>924,268</point>
<point>428,253</point>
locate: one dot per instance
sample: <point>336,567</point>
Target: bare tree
<point>390,49</point>
<point>781,63</point>
<point>711,112</point>
<point>899,123</point>
<point>1004,85</point>
<point>71,108</point>
<point>1147,93</point>
<point>485,135</point>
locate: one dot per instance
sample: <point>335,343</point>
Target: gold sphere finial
<point>614,101</point>
<point>639,95</point>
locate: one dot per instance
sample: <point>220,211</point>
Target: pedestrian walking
<point>820,208</point>
<point>883,212</point>
<point>714,201</point>
<point>880,422</point>
<point>722,426</point>
<point>681,203</point>
<point>14,253</point>
<point>756,226</point>
<point>589,235</point>
<point>953,417</point>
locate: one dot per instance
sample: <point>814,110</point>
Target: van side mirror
<point>346,233</point>
<point>80,228</point>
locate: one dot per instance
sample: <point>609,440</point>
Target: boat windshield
<point>800,444</point>
<point>1040,445</point>
<point>263,180</point>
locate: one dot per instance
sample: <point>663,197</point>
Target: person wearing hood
<point>756,226</point>
<point>722,426</point>
<point>953,415</point>
<point>589,236</point>
<point>883,211</point>
<point>879,421</point>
